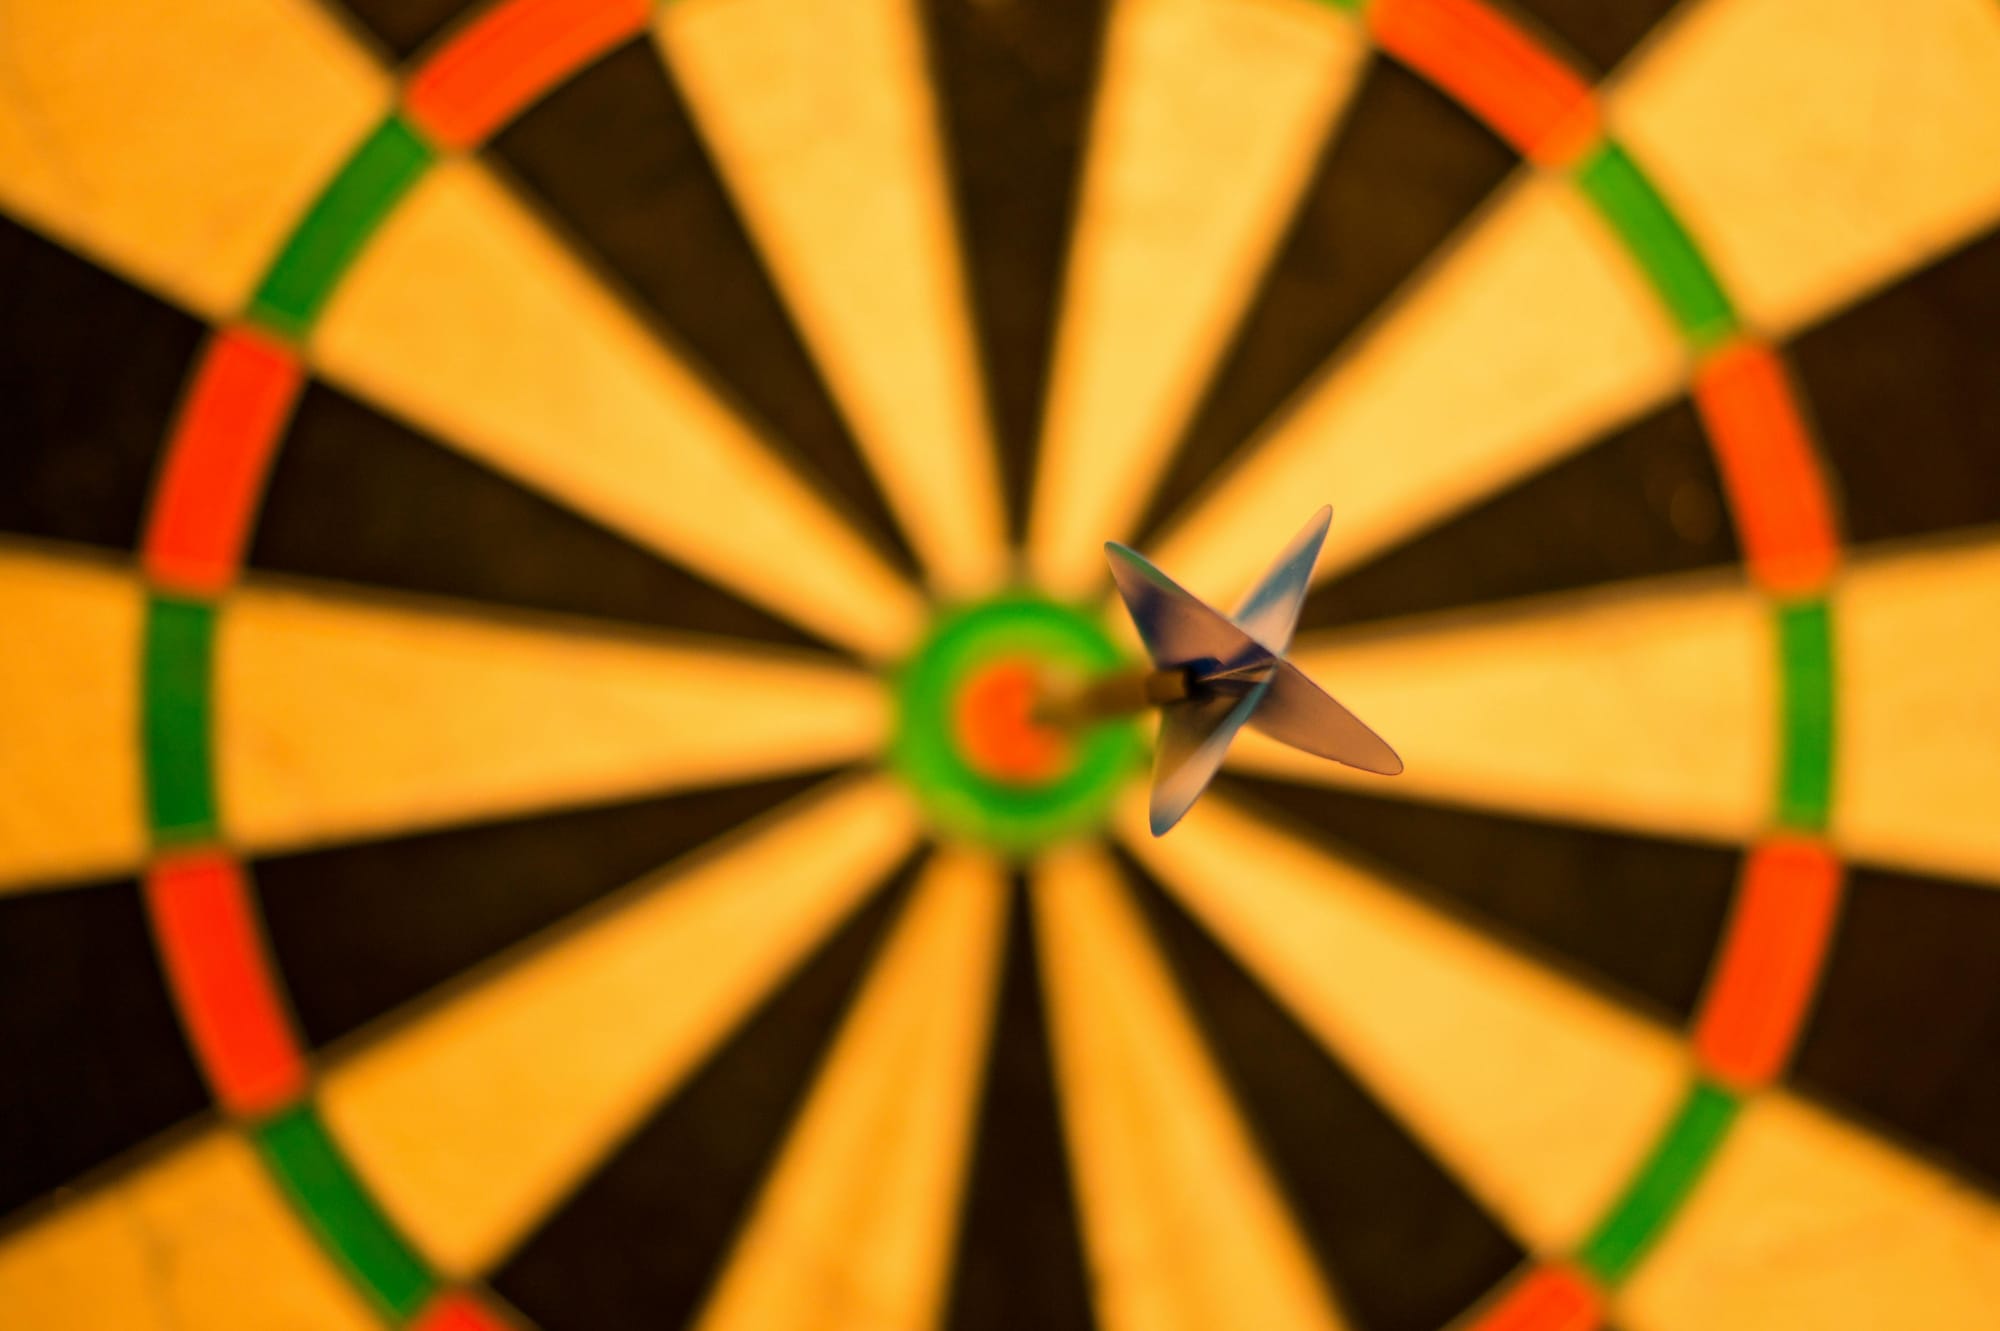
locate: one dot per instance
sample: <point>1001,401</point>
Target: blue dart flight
<point>1216,673</point>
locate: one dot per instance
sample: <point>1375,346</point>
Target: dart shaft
<point>1108,697</point>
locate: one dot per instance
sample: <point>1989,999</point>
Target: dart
<point>1212,674</point>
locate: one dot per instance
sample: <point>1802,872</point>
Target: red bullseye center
<point>994,724</point>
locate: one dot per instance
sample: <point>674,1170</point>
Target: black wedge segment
<point>1020,1245</point>
<point>1401,173</point>
<point>1636,916</point>
<point>360,929</point>
<point>615,155</point>
<point>1904,390</point>
<point>639,1245</point>
<point>94,1059</point>
<point>1645,502</point>
<point>406,26</point>
<point>1365,1193</point>
<point>357,497</point>
<point>1015,83</point>
<point>1906,1029</point>
<point>1603,32</point>
<point>91,371</point>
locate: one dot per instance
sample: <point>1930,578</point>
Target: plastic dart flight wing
<point>1271,611</point>
<point>1236,674</point>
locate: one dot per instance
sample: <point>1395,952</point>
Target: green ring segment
<point>965,804</point>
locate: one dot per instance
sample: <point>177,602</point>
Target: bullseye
<point>997,731</point>
<point>967,742</point>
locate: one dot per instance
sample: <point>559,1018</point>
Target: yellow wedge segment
<point>468,318</point>
<point>178,143</point>
<point>198,1237</point>
<point>1916,636</point>
<point>476,1118</point>
<point>1540,1096</point>
<point>1818,148</point>
<point>341,717</point>
<point>1533,336</point>
<point>1648,706</point>
<point>1184,1225</point>
<point>1805,1220</point>
<point>821,119</point>
<point>1208,116</point>
<point>69,750</point>
<point>857,1224</point>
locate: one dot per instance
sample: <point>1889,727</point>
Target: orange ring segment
<point>508,57</point>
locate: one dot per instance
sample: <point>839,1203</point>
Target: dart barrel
<point>1109,697</point>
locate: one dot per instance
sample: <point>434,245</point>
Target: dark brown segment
<point>93,1054</point>
<point>1906,396</point>
<point>1400,174</point>
<point>91,372</point>
<point>1404,1247</point>
<point>1643,503</point>
<point>1603,32</point>
<point>406,26</point>
<point>1020,1244</point>
<point>355,496</point>
<point>615,155</point>
<point>1906,1031</point>
<point>640,1244</point>
<point>1015,84</point>
<point>361,929</point>
<point>1638,917</point>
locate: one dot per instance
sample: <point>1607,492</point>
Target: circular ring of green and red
<point>236,409</point>
<point>966,740</point>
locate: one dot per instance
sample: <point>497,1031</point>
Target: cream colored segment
<point>70,647</point>
<point>1540,1096</point>
<point>857,1224</point>
<point>1532,337</point>
<point>1648,706</point>
<point>1184,1225</point>
<point>468,318</point>
<point>475,1119</point>
<point>343,717</point>
<point>197,1237</point>
<point>1805,1221</point>
<point>1818,148</point>
<point>120,136</point>
<point>1207,120</point>
<point>821,120</point>
<point>1916,635</point>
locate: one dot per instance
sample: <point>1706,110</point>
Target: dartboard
<point>532,533</point>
